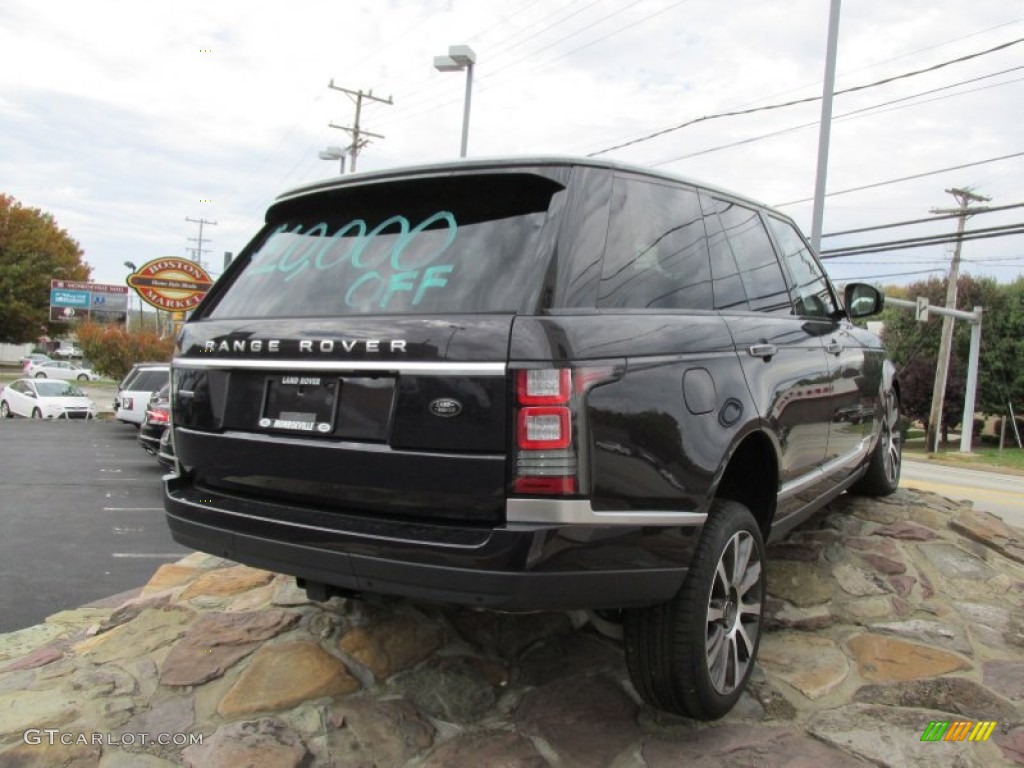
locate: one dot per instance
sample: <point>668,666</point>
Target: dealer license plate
<point>300,403</point>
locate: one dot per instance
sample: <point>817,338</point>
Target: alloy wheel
<point>734,613</point>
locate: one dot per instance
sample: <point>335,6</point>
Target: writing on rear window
<point>392,258</point>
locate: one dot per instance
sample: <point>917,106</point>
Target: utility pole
<point>199,240</point>
<point>964,197</point>
<point>355,131</point>
<point>825,126</point>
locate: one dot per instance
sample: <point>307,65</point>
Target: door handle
<point>765,351</point>
<point>833,347</point>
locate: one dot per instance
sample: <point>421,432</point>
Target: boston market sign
<point>171,284</point>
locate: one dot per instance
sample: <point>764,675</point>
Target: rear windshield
<point>439,245</point>
<point>148,381</point>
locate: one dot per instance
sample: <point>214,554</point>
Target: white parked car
<point>40,399</point>
<point>69,352</point>
<point>60,369</point>
<point>136,388</point>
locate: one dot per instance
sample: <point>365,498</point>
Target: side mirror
<point>863,300</point>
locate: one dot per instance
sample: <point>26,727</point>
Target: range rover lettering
<point>532,384</point>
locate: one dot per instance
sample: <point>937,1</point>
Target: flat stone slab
<point>745,745</point>
<point>267,742</point>
<point>887,659</point>
<point>937,633</point>
<point>955,695</point>
<point>801,583</point>
<point>280,676</point>
<point>891,737</point>
<point>813,665</point>
<point>992,531</point>
<point>396,643</point>
<point>393,731</point>
<point>216,641</point>
<point>953,562</point>
<point>1005,678</point>
<point>563,713</point>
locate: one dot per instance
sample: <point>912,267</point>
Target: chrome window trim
<point>581,512</point>
<point>401,366</point>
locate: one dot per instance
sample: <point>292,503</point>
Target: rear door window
<point>656,255</point>
<point>758,266</point>
<point>420,246</point>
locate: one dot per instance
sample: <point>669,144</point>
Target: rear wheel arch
<point>751,477</point>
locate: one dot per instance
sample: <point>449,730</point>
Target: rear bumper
<point>515,567</point>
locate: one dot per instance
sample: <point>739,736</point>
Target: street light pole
<point>334,153</point>
<point>460,57</point>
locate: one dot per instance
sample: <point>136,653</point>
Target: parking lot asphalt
<point>81,516</point>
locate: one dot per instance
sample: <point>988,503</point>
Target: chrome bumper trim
<point>400,366</point>
<point>580,512</point>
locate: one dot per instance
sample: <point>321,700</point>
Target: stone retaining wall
<point>883,616</point>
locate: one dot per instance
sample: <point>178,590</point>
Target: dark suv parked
<point>532,384</point>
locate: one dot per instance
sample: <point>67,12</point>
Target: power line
<point>412,105</point>
<point>926,262</point>
<point>896,274</point>
<point>855,114</point>
<point>489,79</point>
<point>974,211</point>
<point>806,100</point>
<point>903,178</point>
<point>920,242</point>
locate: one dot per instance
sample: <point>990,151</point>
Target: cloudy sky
<point>124,118</point>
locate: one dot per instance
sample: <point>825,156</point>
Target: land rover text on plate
<point>532,384</point>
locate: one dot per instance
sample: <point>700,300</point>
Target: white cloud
<point>120,117</point>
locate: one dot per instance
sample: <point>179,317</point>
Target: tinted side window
<point>728,288</point>
<point>758,266</point>
<point>811,294</point>
<point>656,254</point>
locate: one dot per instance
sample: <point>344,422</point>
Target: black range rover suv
<point>532,384</point>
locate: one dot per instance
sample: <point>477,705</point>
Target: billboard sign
<point>171,284</point>
<point>99,302</point>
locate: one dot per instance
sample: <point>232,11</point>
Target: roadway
<point>994,492</point>
<point>81,507</point>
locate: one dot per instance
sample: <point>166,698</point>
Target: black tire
<point>40,375</point>
<point>5,410</point>
<point>680,652</point>
<point>883,473</point>
<point>36,413</point>
<point>83,377</point>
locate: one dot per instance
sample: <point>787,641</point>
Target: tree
<point>113,350</point>
<point>916,380</point>
<point>1002,350</point>
<point>33,249</point>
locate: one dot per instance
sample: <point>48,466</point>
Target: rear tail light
<point>157,416</point>
<point>544,386</point>
<point>546,462</point>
